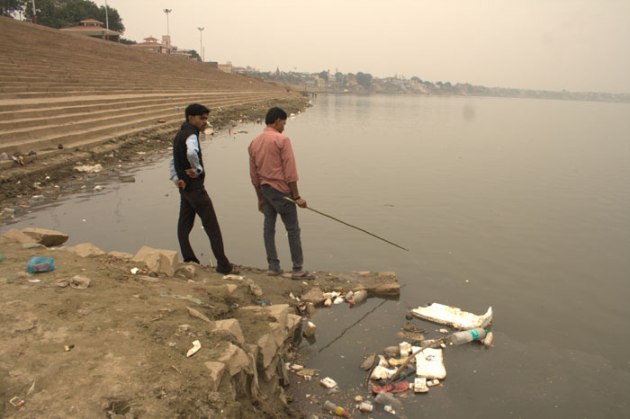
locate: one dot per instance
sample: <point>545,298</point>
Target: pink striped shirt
<point>271,160</point>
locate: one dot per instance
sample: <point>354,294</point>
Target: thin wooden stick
<point>350,225</point>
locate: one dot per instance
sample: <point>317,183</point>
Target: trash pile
<point>417,363</point>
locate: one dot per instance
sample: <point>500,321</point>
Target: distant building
<point>94,29</point>
<point>226,68</point>
<point>152,45</point>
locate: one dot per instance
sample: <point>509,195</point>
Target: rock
<point>235,359</point>
<point>197,314</point>
<point>309,329</point>
<point>17,236</point>
<point>293,320</point>
<point>268,348</point>
<point>79,282</point>
<point>120,255</point>
<point>85,250</point>
<point>314,295</point>
<point>216,370</point>
<point>232,326</point>
<point>187,270</point>
<point>158,260</point>
<point>278,333</point>
<point>222,290</point>
<point>46,237</point>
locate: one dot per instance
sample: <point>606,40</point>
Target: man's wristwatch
<point>296,198</point>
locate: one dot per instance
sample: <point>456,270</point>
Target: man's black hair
<point>274,114</point>
<point>195,109</point>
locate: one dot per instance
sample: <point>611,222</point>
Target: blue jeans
<point>276,204</point>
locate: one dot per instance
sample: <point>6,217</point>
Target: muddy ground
<point>118,348</point>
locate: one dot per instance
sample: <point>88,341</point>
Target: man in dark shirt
<point>188,174</point>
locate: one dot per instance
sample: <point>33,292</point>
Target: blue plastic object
<point>38,265</point>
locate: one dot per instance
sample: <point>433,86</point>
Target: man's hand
<point>180,183</point>
<point>300,203</point>
<point>192,173</point>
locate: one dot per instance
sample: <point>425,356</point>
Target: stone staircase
<point>59,90</point>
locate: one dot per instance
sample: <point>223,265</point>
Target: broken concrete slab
<point>18,237</point>
<point>216,370</point>
<point>234,358</point>
<point>232,326</point>
<point>158,260</point>
<point>85,250</point>
<point>268,348</point>
<point>48,238</point>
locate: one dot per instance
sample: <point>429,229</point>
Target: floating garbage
<point>453,316</point>
<point>86,168</point>
<point>430,364</point>
<point>358,297</point>
<point>459,338</point>
<point>336,410</point>
<point>420,385</point>
<point>328,382</point>
<point>40,264</point>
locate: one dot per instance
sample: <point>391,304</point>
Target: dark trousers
<point>198,202</point>
<point>276,204</point>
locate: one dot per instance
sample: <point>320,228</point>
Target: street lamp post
<point>201,44</point>
<point>168,29</point>
<point>34,17</point>
<point>106,21</point>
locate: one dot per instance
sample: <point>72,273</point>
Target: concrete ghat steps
<point>19,109</point>
<point>32,130</point>
<point>56,88</point>
<point>27,119</point>
<point>106,129</point>
<point>41,104</point>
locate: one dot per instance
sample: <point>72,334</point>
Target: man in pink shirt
<point>274,176</point>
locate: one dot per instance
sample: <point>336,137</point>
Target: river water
<point>518,204</point>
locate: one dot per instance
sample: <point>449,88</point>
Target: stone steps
<point>33,128</point>
<point>97,130</point>
<point>61,89</point>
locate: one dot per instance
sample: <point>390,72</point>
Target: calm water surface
<point>522,205</point>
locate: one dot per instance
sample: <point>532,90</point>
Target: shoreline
<point>119,345</point>
<point>51,175</point>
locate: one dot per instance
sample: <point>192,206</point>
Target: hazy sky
<point>578,45</point>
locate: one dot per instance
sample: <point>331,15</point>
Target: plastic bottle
<point>388,399</point>
<point>459,338</point>
<point>336,410</point>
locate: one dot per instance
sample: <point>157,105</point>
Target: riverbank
<point>110,333</point>
<point>51,175</point>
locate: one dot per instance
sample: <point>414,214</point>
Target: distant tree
<point>8,7</point>
<point>127,41</point>
<point>60,14</point>
<point>194,54</point>
<point>416,79</point>
<point>323,75</point>
<point>364,79</point>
